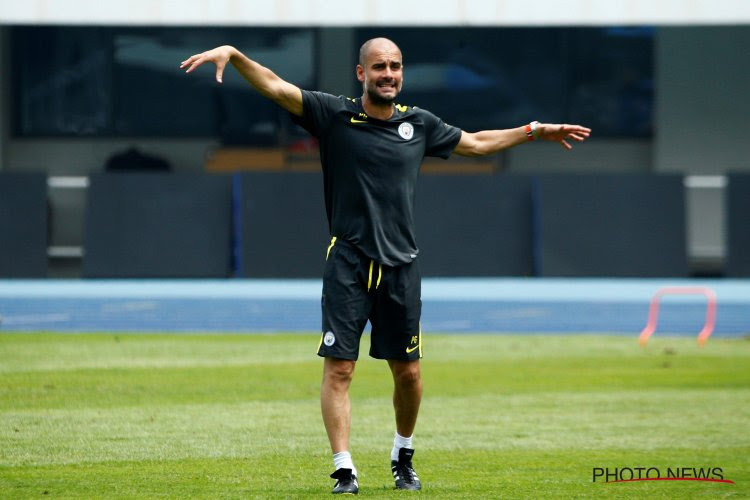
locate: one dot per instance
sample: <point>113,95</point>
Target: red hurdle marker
<point>653,312</point>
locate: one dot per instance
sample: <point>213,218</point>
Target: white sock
<point>398,443</point>
<point>343,460</point>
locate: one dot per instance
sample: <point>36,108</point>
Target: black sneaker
<point>403,473</point>
<point>346,482</point>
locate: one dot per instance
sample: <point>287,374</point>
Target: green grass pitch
<point>237,416</point>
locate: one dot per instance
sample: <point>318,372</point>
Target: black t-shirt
<point>370,170</point>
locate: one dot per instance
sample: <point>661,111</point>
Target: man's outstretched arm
<point>489,142</point>
<point>265,81</point>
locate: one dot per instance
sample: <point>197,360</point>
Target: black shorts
<point>355,289</point>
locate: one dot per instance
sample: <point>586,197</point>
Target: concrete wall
<point>702,107</point>
<point>338,53</point>
<point>702,79</point>
<point>596,155</point>
<point>4,90</point>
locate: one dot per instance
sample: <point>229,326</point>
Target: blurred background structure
<point>113,163</point>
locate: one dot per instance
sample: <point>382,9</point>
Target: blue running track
<point>532,305</point>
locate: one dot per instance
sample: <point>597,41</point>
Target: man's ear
<point>360,73</point>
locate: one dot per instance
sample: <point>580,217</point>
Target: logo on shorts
<point>415,343</point>
<point>406,130</point>
<point>329,338</point>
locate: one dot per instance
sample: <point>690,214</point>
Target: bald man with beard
<point>371,149</point>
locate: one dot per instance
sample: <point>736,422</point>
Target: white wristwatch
<point>531,130</point>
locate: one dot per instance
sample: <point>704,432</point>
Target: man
<point>371,150</point>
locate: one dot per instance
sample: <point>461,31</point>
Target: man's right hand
<point>265,81</point>
<point>220,56</point>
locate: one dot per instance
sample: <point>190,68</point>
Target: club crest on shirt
<point>406,131</point>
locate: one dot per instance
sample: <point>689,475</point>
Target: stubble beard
<point>376,98</point>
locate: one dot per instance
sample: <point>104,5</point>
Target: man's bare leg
<point>334,401</point>
<point>337,412</point>
<point>407,394</point>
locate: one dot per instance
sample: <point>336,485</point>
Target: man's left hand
<point>561,132</point>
